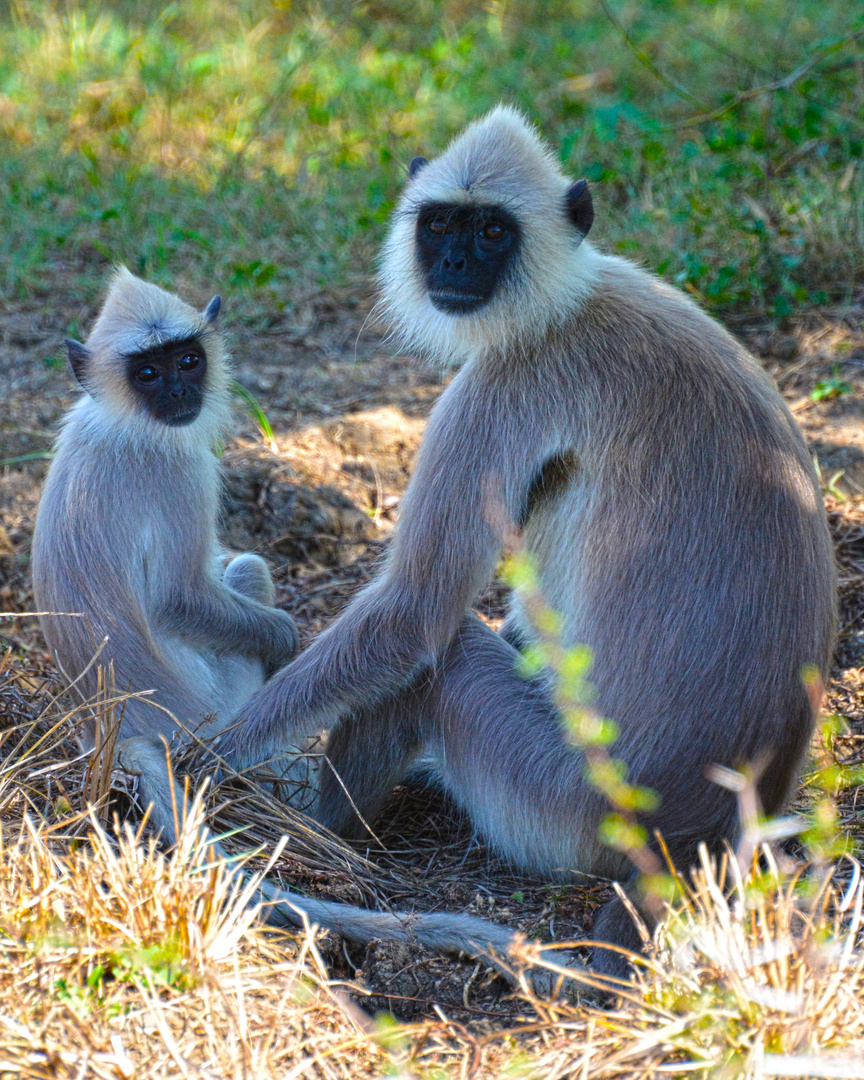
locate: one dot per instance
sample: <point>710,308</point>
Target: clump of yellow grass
<point>118,959</point>
<point>749,976</point>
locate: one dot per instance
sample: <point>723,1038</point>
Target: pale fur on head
<point>137,316</point>
<point>499,160</point>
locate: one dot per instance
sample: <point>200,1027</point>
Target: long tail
<point>440,931</point>
<point>445,932</point>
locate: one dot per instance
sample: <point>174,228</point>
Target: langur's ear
<point>79,359</point>
<point>211,312</point>
<point>580,206</point>
<point>416,165</point>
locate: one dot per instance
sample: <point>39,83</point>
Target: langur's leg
<point>145,758</point>
<point>250,575</point>
<point>496,742</point>
<point>501,750</point>
<point>367,756</point>
<point>239,676</point>
<point>505,758</point>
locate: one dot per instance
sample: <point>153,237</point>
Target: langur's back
<point>703,569</point>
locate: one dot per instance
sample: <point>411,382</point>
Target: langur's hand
<point>259,733</point>
<point>283,644</point>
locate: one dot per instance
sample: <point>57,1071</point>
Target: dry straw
<point>120,960</point>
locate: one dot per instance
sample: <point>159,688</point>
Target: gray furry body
<point>126,537</point>
<point>670,505</point>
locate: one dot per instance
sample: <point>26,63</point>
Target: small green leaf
<point>265,274</point>
<point>830,388</point>
<point>531,662</point>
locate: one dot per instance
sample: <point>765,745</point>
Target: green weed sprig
<point>592,735</point>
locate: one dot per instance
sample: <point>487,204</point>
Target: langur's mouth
<point>456,302</point>
<point>183,418</point>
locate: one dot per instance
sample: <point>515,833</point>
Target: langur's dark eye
<point>188,362</point>
<point>493,231</point>
<point>437,225</point>
<point>147,374</point>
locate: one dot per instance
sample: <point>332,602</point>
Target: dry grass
<point>118,960</point>
<point>765,978</point>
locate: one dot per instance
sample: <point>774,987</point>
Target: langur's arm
<point>213,616</point>
<point>471,479</point>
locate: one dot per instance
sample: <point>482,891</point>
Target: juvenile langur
<point>126,534</point>
<point>663,491</point>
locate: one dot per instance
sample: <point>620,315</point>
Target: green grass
<point>257,148</point>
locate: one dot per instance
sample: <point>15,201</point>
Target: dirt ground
<point>320,503</point>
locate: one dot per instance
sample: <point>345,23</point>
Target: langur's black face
<point>169,380</point>
<point>465,252</point>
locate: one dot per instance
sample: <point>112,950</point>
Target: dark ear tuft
<point>79,358</point>
<point>211,312</point>
<point>416,165</point>
<point>580,206</point>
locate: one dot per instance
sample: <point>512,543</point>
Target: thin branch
<point>786,82</point>
<point>760,69</point>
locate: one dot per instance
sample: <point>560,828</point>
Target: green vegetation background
<point>259,147</point>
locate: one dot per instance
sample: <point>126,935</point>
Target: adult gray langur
<point>126,534</point>
<point>663,491</point>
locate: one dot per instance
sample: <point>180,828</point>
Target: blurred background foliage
<point>259,147</point>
